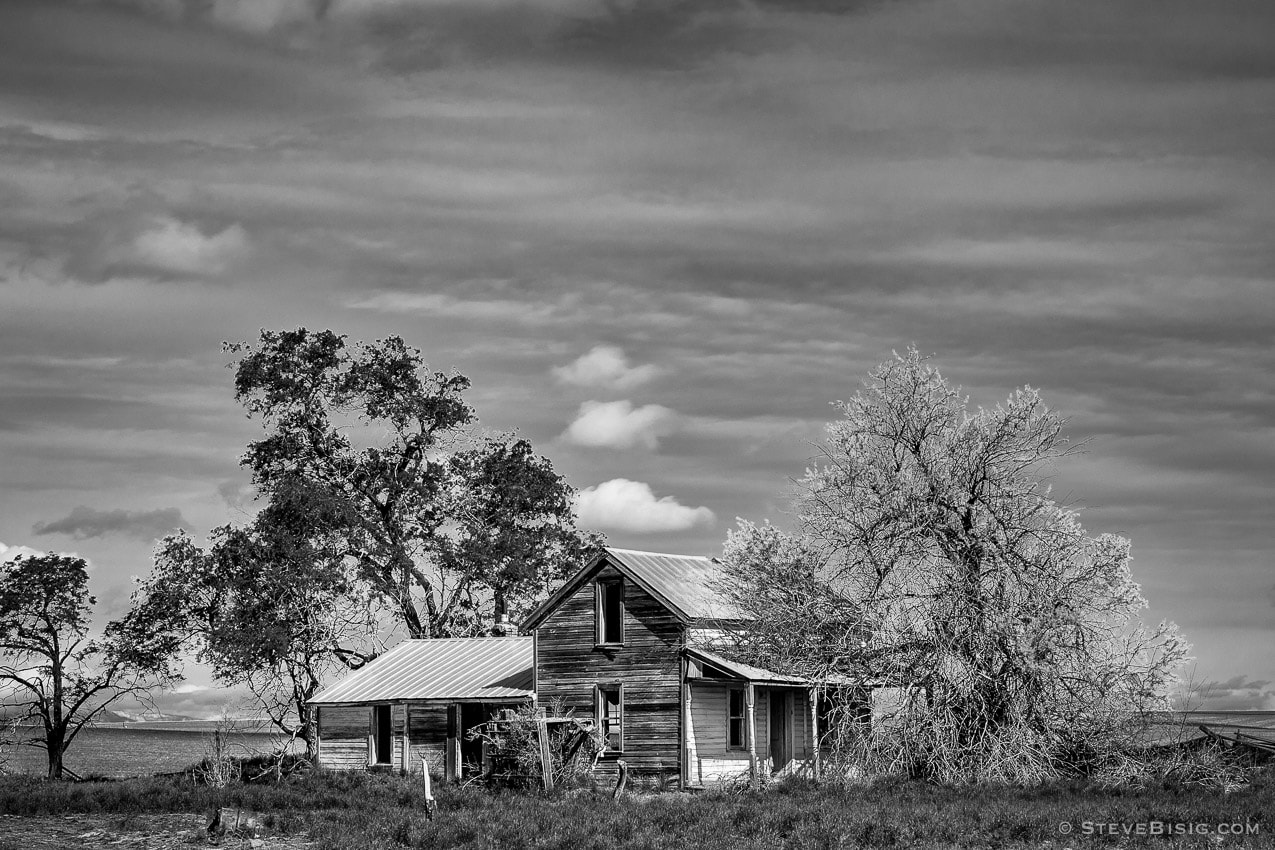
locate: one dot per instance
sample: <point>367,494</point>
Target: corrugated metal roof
<point>687,582</point>
<point>441,668</point>
<point>746,671</point>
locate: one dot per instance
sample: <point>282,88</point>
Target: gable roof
<point>685,584</point>
<point>440,668</point>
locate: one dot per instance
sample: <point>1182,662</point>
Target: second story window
<point>610,611</point>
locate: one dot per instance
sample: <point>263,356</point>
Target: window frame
<point>601,590</point>
<point>742,717</point>
<point>599,713</point>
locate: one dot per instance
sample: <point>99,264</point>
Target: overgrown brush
<point>1207,765</point>
<point>513,745</point>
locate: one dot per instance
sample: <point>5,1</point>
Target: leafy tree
<point>51,666</point>
<point>270,606</point>
<point>381,515</point>
<point>447,530</point>
<point>930,556</point>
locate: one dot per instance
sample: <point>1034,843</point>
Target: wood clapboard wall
<point>569,666</point>
<point>711,760</point>
<point>343,735</point>
<point>427,737</point>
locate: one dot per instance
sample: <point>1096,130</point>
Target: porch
<point>744,724</point>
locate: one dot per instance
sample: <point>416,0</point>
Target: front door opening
<point>382,735</point>
<point>780,755</point>
<point>471,751</point>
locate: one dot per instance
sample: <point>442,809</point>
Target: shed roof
<point>685,584</point>
<point>441,668</point>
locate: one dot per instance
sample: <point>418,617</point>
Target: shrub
<point>513,745</point>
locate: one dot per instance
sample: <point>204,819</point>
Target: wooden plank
<point>406,764</point>
<point>546,762</point>
<point>451,763</point>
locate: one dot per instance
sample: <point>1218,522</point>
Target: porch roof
<point>746,672</point>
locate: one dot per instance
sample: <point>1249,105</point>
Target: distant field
<point>138,749</point>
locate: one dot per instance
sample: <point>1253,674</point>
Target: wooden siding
<point>345,733</point>
<point>569,666</point>
<point>427,737</point>
<point>711,761</point>
<point>343,736</point>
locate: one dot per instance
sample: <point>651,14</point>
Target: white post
<point>429,788</point>
<point>750,722</point>
<point>688,736</point>
<point>814,731</point>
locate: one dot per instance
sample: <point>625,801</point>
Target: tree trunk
<point>55,742</point>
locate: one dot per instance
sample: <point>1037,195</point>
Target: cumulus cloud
<point>84,522</point>
<point>605,366</point>
<point>173,245</point>
<point>116,244</point>
<point>624,505</point>
<point>620,425</point>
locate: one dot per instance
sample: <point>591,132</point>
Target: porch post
<point>814,732</point>
<point>688,736</point>
<point>750,724</point>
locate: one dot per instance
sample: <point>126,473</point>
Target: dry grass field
<point>388,813</point>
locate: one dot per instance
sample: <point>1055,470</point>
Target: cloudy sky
<point>661,237</point>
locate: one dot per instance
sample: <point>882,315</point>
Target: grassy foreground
<point>362,811</point>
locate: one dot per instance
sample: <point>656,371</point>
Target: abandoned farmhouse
<point>620,643</point>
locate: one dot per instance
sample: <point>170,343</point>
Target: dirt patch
<point>133,832</point>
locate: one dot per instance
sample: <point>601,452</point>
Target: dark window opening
<point>611,716</point>
<point>610,612</point>
<point>735,720</point>
<point>382,734</point>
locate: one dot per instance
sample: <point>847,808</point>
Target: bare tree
<point>930,557</point>
<point>52,667</point>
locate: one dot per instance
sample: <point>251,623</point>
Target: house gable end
<point>590,571</point>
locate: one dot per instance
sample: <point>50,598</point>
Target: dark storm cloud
<point>1236,694</point>
<point>85,522</point>
<point>98,66</point>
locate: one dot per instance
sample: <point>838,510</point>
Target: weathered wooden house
<point>414,705</point>
<point>623,641</point>
<point>627,642</point>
